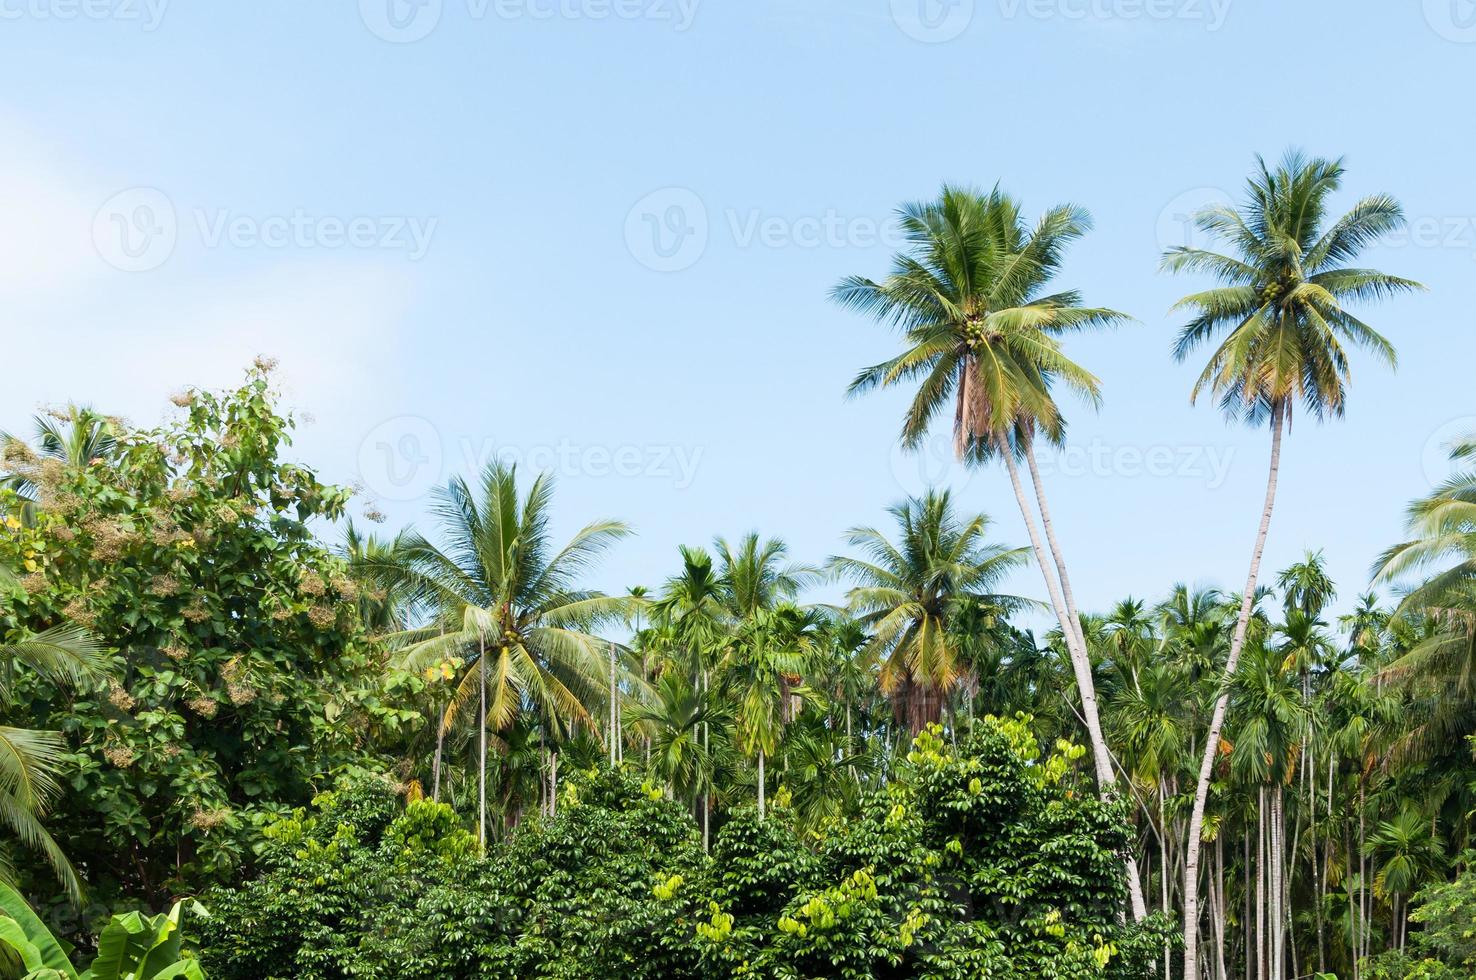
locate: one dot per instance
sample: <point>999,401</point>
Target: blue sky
<point>598,235</point>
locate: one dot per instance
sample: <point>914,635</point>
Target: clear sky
<point>598,235</point>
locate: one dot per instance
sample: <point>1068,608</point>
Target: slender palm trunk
<point>761,784</point>
<point>614,718</point>
<point>1081,667</point>
<point>482,745</point>
<point>1261,945</point>
<point>1217,719</point>
<point>436,765</point>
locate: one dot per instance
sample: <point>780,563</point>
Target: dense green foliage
<point>239,674</point>
<point>442,754</point>
<point>985,861</point>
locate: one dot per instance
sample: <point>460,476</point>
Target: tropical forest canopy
<point>246,736</point>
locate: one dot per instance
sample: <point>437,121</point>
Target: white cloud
<point>75,328</point>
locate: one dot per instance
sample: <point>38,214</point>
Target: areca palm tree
<point>982,337</point>
<point>766,660</point>
<point>1281,326</point>
<point>521,622</point>
<point>756,574</point>
<point>910,594</point>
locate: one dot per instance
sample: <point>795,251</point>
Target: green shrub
<point>984,862</point>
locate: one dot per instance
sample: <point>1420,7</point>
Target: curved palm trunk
<point>1082,667</point>
<point>1217,719</point>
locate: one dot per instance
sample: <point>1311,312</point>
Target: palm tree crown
<point>1282,289</point>
<point>981,332</point>
<point>909,594</point>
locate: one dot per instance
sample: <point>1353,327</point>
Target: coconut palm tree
<point>73,436</point>
<point>30,760</point>
<point>910,594</point>
<point>1281,328</point>
<point>1439,667</point>
<point>982,338</point>
<point>521,622</point>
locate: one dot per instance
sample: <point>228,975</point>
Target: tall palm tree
<point>757,575</point>
<point>1280,306</point>
<point>768,656</point>
<point>521,621</point>
<point>911,593</point>
<point>982,338</point>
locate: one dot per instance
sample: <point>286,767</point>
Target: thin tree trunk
<point>1163,873</point>
<point>614,720</point>
<point>436,766</point>
<point>1082,667</point>
<point>761,785</point>
<point>1261,947</point>
<point>553,776</point>
<point>1245,871</point>
<point>1220,915</point>
<point>1217,719</point>
<point>482,745</point>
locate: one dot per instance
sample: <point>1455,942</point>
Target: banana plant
<point>132,946</point>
